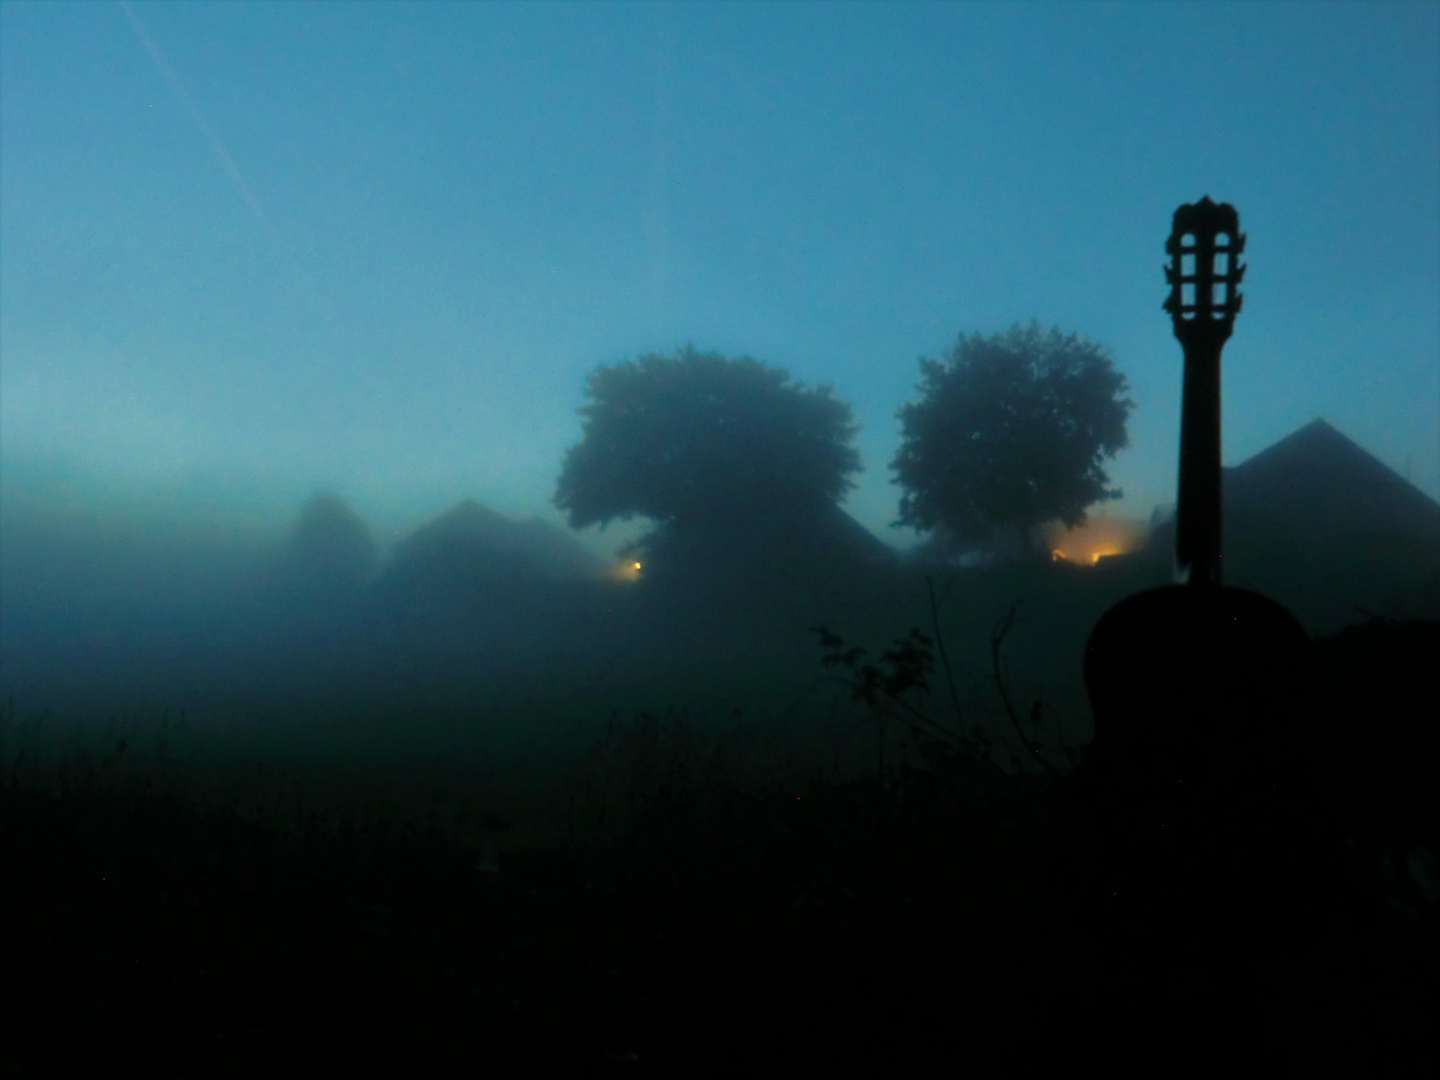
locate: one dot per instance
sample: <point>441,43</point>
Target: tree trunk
<point>1032,543</point>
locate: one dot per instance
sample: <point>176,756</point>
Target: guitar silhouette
<point>1183,680</point>
<point>1189,841</point>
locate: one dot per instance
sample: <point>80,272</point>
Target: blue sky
<point>256,250</point>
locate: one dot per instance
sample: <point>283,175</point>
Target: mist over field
<point>578,526</point>
<point>251,254</point>
<point>303,311</point>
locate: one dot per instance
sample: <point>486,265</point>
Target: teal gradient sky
<point>257,250</point>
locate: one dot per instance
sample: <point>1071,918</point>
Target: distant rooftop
<point>1319,482</point>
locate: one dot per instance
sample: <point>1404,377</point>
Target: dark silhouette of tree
<point>701,442</point>
<point>1010,431</point>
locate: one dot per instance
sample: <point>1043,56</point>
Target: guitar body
<point>1193,684</point>
<point>1191,820</point>
<point>1189,850</point>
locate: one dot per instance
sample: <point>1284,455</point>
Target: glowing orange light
<point>1096,539</point>
<point>629,570</point>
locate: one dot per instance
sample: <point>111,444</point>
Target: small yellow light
<point>637,566</point>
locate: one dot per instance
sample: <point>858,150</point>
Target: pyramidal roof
<point>471,533</point>
<point>1319,482</point>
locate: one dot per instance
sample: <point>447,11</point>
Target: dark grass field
<point>743,890</point>
<point>707,923</point>
<point>693,916</point>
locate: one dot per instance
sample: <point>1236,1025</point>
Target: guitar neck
<point>1197,511</point>
<point>1204,246</point>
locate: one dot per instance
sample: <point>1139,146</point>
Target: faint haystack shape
<point>554,553</point>
<point>1317,484</point>
<point>1318,522</point>
<point>330,556</point>
<point>475,564</point>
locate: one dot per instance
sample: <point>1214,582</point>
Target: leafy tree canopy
<point>699,439</point>
<point>1009,432</point>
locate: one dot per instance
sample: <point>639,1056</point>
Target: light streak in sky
<point>319,302</point>
<point>226,161</point>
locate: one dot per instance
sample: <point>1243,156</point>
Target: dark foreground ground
<point>700,920</point>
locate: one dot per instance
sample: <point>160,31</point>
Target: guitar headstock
<point>1204,271</point>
